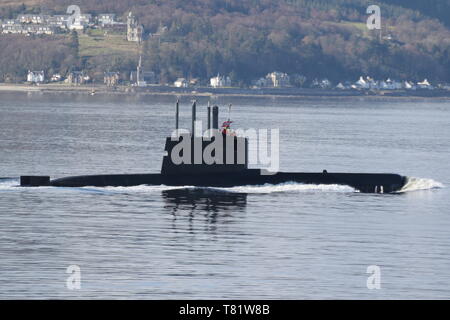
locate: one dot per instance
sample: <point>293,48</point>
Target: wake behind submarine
<point>220,173</point>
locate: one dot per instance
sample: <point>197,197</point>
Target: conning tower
<point>230,152</point>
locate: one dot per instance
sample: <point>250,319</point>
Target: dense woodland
<point>249,38</point>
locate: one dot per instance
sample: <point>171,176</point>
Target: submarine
<point>221,172</point>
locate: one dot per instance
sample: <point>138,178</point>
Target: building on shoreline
<point>181,83</point>
<point>111,79</point>
<point>274,79</point>
<point>322,83</point>
<point>367,83</point>
<point>278,79</point>
<point>220,81</point>
<point>56,77</point>
<point>425,85</point>
<point>390,85</point>
<point>35,76</point>
<point>77,78</point>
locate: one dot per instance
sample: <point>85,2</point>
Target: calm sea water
<point>291,241</point>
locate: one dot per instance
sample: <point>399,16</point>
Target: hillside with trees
<point>249,38</point>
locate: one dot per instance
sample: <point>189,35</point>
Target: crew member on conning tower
<point>226,128</point>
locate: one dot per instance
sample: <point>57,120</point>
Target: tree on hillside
<point>75,43</point>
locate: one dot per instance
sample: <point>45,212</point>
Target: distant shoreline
<point>230,92</point>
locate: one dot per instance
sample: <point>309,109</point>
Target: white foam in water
<point>412,184</point>
<point>140,188</point>
<point>415,184</point>
<point>289,187</point>
<point>262,189</point>
<point>8,183</point>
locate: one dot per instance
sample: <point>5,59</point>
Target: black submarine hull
<point>229,168</point>
<point>363,182</point>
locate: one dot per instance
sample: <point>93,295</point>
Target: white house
<point>33,18</point>
<point>424,85</point>
<point>220,81</point>
<point>106,18</point>
<point>35,76</point>
<point>38,29</point>
<point>390,85</point>
<point>367,83</point>
<point>181,83</point>
<point>80,22</point>
<point>340,86</point>
<point>278,79</point>
<point>409,85</point>
<point>323,84</point>
<point>13,28</point>
<point>361,84</point>
<point>10,22</point>
<point>56,77</point>
<point>60,21</point>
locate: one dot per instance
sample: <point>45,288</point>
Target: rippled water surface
<point>288,241</point>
